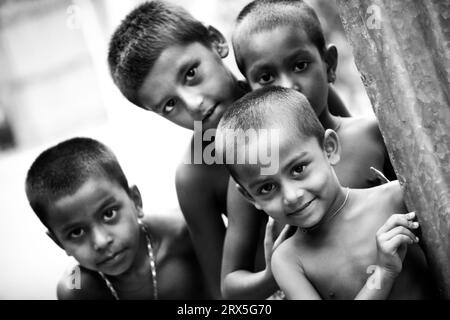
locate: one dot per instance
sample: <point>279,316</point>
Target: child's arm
<point>392,240</point>
<point>203,217</point>
<point>335,104</point>
<point>239,281</point>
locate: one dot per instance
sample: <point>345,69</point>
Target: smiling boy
<point>164,60</point>
<point>281,43</point>
<point>343,234</point>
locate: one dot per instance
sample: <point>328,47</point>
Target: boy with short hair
<point>164,60</point>
<point>80,193</point>
<point>343,234</point>
<point>281,43</point>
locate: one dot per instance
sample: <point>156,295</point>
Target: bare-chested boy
<point>80,193</point>
<point>348,244</point>
<point>281,43</point>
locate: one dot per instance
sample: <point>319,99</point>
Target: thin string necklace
<point>152,267</point>
<point>330,217</point>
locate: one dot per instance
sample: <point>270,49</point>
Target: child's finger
<point>284,234</point>
<point>399,220</point>
<point>400,230</point>
<point>268,237</point>
<point>397,241</point>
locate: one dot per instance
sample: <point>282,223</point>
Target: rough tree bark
<point>402,51</point>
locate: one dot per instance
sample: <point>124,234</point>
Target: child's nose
<point>292,196</point>
<point>193,102</point>
<point>101,239</point>
<point>287,81</point>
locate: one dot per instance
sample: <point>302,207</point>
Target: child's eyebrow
<point>69,226</point>
<point>258,66</point>
<point>295,159</point>
<point>296,53</point>
<point>261,65</point>
<point>103,204</point>
<point>258,182</point>
<point>183,67</point>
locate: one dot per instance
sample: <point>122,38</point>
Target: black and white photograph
<point>224,150</point>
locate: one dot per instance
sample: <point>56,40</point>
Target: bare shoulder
<point>365,127</point>
<point>394,194</point>
<point>197,194</point>
<point>363,134</point>
<point>388,195</point>
<point>81,284</point>
<point>188,175</point>
<point>287,251</point>
<point>195,178</point>
<point>362,147</point>
<point>169,224</point>
<point>201,188</point>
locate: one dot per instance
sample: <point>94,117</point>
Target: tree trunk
<point>402,51</point>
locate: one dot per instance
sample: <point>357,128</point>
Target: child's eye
<point>169,106</point>
<point>190,74</point>
<point>76,233</point>
<point>265,78</point>
<point>266,188</point>
<point>298,169</point>
<point>300,66</point>
<point>109,214</point>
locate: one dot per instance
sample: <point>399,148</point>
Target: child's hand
<point>392,241</point>
<point>270,243</point>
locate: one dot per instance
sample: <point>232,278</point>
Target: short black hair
<point>141,37</point>
<point>266,107</point>
<point>263,15</point>
<point>62,169</point>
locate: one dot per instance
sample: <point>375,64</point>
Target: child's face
<point>301,191</point>
<point>286,57</point>
<point>97,225</point>
<point>189,83</point>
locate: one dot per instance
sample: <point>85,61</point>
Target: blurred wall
<point>49,86</point>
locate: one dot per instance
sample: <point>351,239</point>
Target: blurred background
<point>55,84</point>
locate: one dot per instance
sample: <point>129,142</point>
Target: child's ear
<point>247,196</point>
<point>218,41</point>
<point>332,147</point>
<point>135,195</point>
<point>52,236</point>
<point>331,59</point>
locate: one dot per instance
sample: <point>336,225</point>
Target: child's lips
<point>111,258</point>
<point>303,207</point>
<point>209,112</point>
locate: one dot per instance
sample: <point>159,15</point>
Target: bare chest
<point>178,272</point>
<point>339,266</point>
